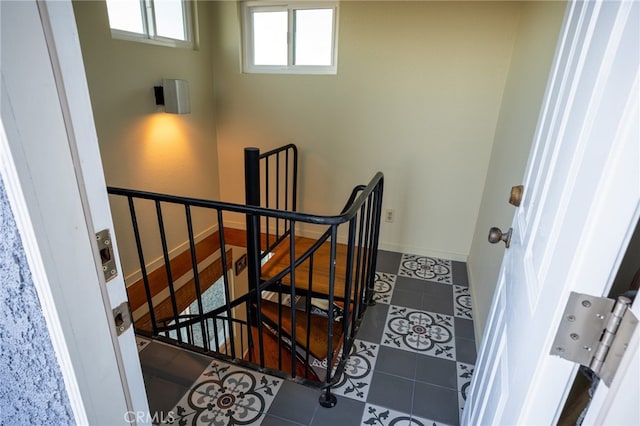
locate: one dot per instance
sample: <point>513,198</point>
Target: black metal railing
<point>235,326</point>
<point>271,181</point>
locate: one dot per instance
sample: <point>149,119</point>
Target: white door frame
<point>55,183</point>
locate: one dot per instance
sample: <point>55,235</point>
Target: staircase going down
<point>291,306</point>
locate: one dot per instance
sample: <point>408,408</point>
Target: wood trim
<point>320,273</point>
<point>186,294</point>
<point>238,237</point>
<point>180,265</point>
<point>235,237</point>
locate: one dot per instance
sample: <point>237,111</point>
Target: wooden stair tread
<point>280,260</point>
<point>270,343</point>
<point>318,338</point>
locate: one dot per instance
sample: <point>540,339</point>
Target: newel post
<point>252,198</point>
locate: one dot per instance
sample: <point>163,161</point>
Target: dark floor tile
<point>437,371</point>
<point>391,391</point>
<point>346,412</point>
<point>277,421</point>
<point>459,273</point>
<point>464,329</point>
<point>388,261</point>
<point>294,402</point>
<point>163,395</point>
<point>373,323</point>
<point>435,403</point>
<point>408,299</point>
<point>189,365</point>
<point>176,365</point>
<point>425,295</point>
<point>465,351</point>
<point>438,298</point>
<point>157,355</point>
<point>396,362</point>
<point>411,284</point>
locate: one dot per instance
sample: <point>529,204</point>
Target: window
<point>217,330</point>
<point>296,38</point>
<point>166,22</point>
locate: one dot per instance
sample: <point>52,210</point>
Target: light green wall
<point>536,40</point>
<point>423,89</point>
<point>142,148</point>
<point>417,96</point>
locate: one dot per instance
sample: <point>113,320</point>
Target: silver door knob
<point>496,235</point>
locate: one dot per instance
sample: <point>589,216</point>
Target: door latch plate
<point>105,248</point>
<point>122,317</point>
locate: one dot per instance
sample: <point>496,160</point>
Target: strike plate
<point>105,247</point>
<point>122,317</point>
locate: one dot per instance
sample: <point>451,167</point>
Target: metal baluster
<point>143,267</point>
<point>277,194</point>
<point>308,309</point>
<point>167,264</point>
<point>327,399</point>
<point>292,287</point>
<point>196,275</point>
<point>266,188</point>
<point>346,320</point>
<point>225,278</point>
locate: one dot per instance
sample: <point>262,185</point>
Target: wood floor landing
<point>320,269</point>
<point>270,343</point>
<point>318,339</point>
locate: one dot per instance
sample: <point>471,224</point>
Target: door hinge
<point>595,332</point>
<point>122,317</point>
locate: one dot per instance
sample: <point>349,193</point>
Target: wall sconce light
<point>174,95</point>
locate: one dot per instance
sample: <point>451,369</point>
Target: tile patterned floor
<point>411,364</point>
<point>226,394</point>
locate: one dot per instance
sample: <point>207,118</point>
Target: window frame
<point>147,9</point>
<point>249,7</point>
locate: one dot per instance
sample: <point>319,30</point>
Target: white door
<point>581,203</point>
<point>52,165</point>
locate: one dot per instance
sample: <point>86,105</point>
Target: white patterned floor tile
<point>383,287</point>
<point>426,268</point>
<point>462,302</point>
<point>420,331</point>
<point>465,372</point>
<point>225,394</point>
<point>380,416</point>
<point>356,379</point>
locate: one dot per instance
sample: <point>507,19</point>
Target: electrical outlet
<point>388,215</point>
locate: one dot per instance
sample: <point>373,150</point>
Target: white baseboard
<point>401,248</point>
<point>478,328</point>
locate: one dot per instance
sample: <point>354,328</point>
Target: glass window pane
<point>313,38</point>
<point>169,16</point>
<point>270,38</point>
<point>125,15</point>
